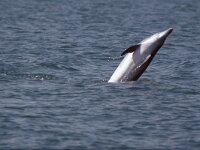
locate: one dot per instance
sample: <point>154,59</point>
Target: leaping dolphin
<point>138,57</point>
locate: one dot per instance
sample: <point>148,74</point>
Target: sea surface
<point>56,57</point>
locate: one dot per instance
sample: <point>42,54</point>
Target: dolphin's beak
<point>165,33</point>
<point>169,30</point>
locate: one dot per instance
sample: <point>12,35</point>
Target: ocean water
<point>57,55</point>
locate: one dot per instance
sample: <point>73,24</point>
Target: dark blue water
<point>57,55</point>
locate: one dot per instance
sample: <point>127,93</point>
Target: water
<point>56,58</point>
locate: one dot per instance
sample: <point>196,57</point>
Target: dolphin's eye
<point>157,36</point>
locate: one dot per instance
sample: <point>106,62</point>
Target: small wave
<point>39,76</point>
<point>36,76</point>
<point>49,65</point>
<point>115,58</point>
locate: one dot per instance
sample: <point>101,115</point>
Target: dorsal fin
<point>130,49</point>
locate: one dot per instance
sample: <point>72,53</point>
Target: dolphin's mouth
<point>165,33</point>
<point>170,30</point>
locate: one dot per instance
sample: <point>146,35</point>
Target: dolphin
<point>138,57</point>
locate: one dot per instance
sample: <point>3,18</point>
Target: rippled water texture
<point>57,55</point>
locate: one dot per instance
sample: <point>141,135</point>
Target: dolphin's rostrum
<point>138,57</point>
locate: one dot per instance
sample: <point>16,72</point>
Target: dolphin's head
<point>164,34</point>
<point>155,42</point>
<point>161,37</point>
<point>158,37</point>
